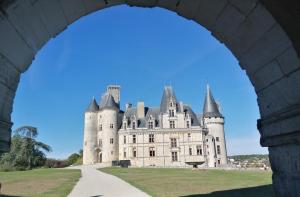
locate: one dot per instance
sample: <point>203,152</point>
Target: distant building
<point>168,135</point>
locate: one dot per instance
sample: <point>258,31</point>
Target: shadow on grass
<point>3,195</point>
<point>259,191</point>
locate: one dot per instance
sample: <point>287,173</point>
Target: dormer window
<point>185,113</point>
<point>150,124</point>
<point>133,125</point>
<point>171,113</point>
<point>124,126</point>
<point>171,104</point>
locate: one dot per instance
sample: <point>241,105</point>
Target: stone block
<point>289,60</point>
<point>141,3</point>
<point>208,12</point>
<point>282,131</point>
<point>52,15</point>
<point>279,95</point>
<point>266,75</point>
<point>273,43</point>
<point>256,24</point>
<point>94,5</point>
<point>28,23</point>
<point>6,102</point>
<point>9,75</point>
<point>244,7</point>
<point>169,5</point>
<point>227,22</point>
<point>188,9</point>
<point>73,9</point>
<point>13,46</point>
<point>285,165</point>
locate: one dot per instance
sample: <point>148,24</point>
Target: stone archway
<point>262,34</point>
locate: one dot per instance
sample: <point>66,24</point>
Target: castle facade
<point>171,135</point>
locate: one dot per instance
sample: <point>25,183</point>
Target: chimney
<point>181,106</point>
<point>140,109</point>
<point>114,90</point>
<point>128,105</point>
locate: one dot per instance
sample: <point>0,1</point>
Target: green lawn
<point>162,182</point>
<point>39,182</point>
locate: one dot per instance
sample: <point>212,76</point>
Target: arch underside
<point>262,34</point>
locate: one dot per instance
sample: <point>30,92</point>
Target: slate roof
<point>108,101</point>
<point>210,108</point>
<point>194,119</point>
<point>167,95</point>
<point>142,122</point>
<point>93,106</point>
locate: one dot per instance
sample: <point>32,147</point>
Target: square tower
<point>114,90</point>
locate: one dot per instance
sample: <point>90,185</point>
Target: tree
<point>26,152</point>
<point>73,158</point>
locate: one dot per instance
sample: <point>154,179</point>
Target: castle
<point>170,135</point>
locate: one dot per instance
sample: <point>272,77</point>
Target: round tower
<point>90,133</point>
<point>214,121</point>
<point>108,119</point>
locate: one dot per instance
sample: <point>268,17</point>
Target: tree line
<point>27,153</point>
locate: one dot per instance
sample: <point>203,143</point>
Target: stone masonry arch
<point>264,35</point>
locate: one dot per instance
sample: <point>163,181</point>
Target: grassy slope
<point>39,182</point>
<point>185,182</point>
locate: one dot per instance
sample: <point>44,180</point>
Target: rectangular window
<point>218,149</point>
<point>190,151</point>
<point>134,139</point>
<point>217,139</point>
<point>124,139</point>
<point>172,124</point>
<point>189,135</point>
<point>111,140</point>
<point>199,150</point>
<point>151,152</point>
<point>133,125</point>
<point>174,156</point>
<point>219,162</point>
<point>111,126</point>
<point>171,113</point>
<point>124,153</point>
<point>151,138</point>
<point>173,142</point>
<point>187,124</point>
<point>134,152</point>
<point>100,127</point>
<point>150,125</point>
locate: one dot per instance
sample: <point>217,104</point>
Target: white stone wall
<point>216,130</point>
<point>107,117</point>
<point>89,138</point>
<point>162,147</point>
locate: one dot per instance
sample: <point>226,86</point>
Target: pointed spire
<point>108,101</point>
<point>168,94</point>
<point>93,107</point>
<point>210,108</point>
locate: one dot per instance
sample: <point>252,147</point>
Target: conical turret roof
<point>168,95</point>
<point>108,101</point>
<point>93,107</point>
<point>210,108</point>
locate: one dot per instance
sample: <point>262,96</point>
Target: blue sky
<point>142,50</point>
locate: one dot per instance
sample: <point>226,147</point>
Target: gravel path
<point>94,183</point>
